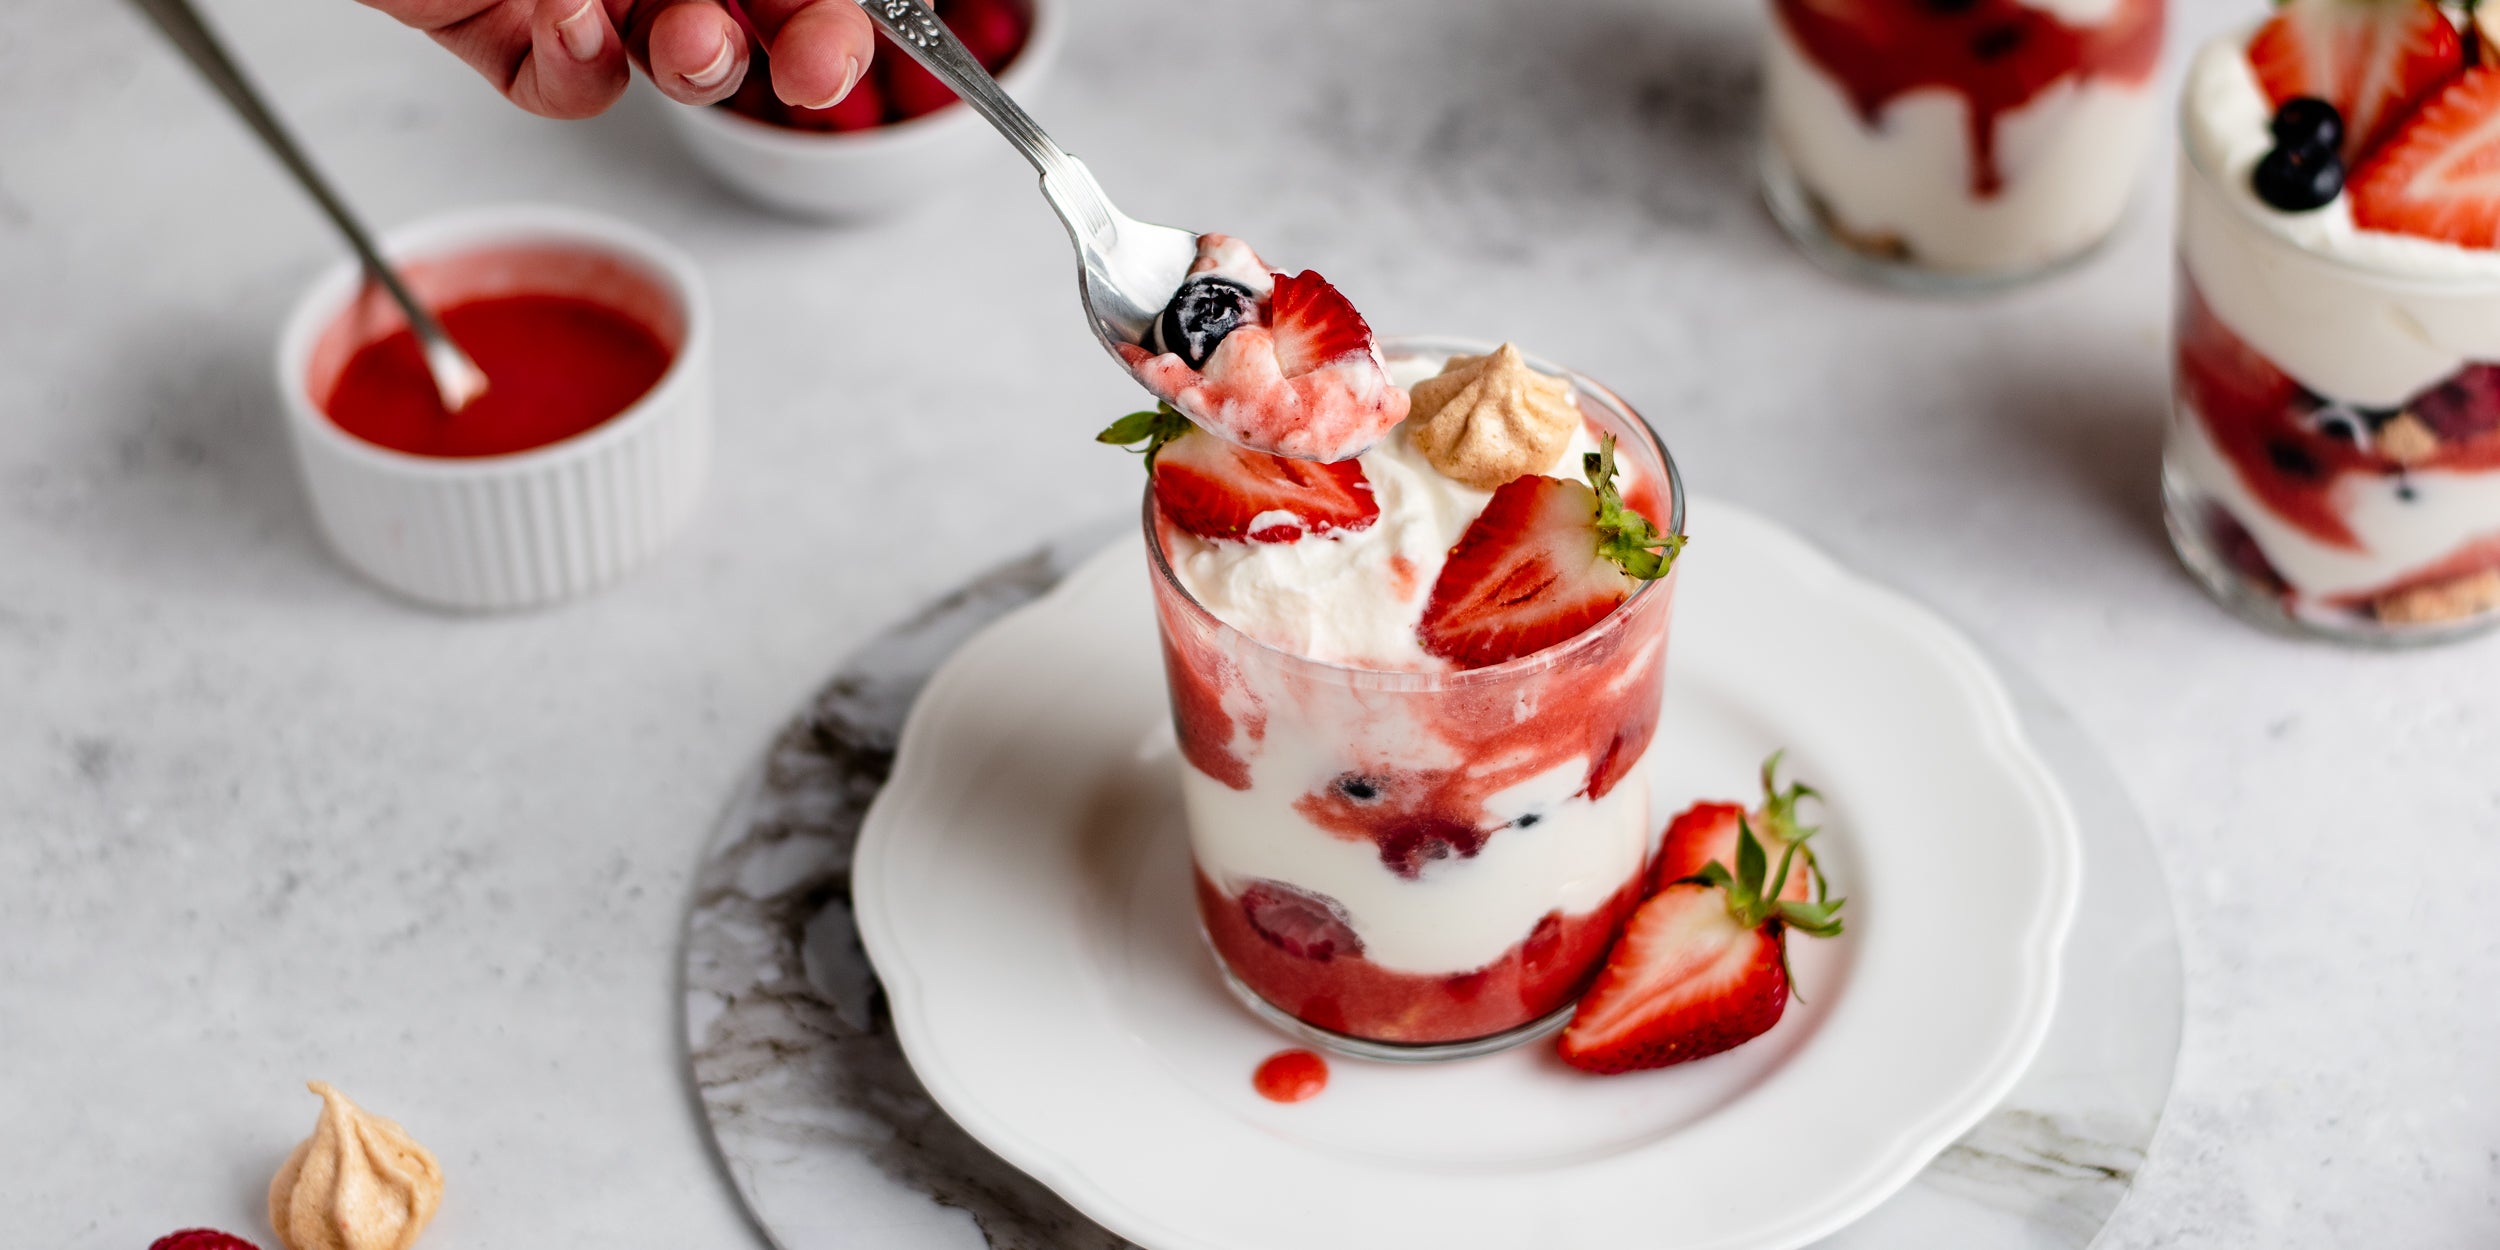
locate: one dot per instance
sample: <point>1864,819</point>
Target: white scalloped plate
<point>1023,887</point>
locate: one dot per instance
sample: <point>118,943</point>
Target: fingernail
<point>717,72</point>
<point>580,32</point>
<point>850,79</point>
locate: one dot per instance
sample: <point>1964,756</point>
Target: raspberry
<point>201,1239</point>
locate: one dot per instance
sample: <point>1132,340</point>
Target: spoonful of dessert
<point>457,379</point>
<point>1276,362</point>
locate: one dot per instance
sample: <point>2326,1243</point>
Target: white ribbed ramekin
<point>532,527</point>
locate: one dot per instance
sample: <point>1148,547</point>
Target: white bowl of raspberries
<point>898,137</point>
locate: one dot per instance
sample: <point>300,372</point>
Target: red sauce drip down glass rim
<point>570,335</point>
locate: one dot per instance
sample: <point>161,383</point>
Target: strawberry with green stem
<point>1702,966</point>
<point>1546,559</point>
<point>1708,831</point>
<point>1216,489</point>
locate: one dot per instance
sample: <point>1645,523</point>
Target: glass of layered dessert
<point>1956,145</point>
<point>2333,463</point>
<point>1414,690</point>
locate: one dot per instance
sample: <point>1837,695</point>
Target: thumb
<point>576,65</point>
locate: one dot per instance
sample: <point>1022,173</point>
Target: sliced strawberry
<point>1702,967</point>
<point>1314,325</point>
<point>1544,560</point>
<point>1687,979</point>
<point>1215,489</point>
<point>2439,177</point>
<point>1707,832</point>
<point>2372,59</point>
<point>1299,922</point>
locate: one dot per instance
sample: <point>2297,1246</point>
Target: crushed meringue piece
<point>2451,600</point>
<point>1488,419</point>
<point>358,1183</point>
<point>2408,439</point>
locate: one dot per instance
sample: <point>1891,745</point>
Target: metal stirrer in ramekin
<point>457,379</point>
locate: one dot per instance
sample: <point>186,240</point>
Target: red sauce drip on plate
<point>1997,53</point>
<point>556,365</point>
<point>1291,1076</point>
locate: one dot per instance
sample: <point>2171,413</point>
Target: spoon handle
<point>1068,184</point>
<point>191,36</point>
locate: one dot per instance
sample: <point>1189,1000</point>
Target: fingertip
<point>821,52</point>
<point>582,34</point>
<point>698,53</point>
<point>576,66</point>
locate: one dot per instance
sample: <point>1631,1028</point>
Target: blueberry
<point>2297,180</point>
<point>1201,313</point>
<point>2308,124</point>
<point>2292,460</point>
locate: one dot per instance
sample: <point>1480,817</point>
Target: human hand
<point>569,58</point>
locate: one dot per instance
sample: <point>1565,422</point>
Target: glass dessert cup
<point>1421,865</point>
<point>1956,148</point>
<point>2333,462</point>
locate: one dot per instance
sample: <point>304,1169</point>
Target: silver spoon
<point>457,379</point>
<point>1128,269</point>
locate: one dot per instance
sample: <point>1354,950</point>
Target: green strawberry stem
<point>1754,906</point>
<point>1624,536</point>
<point>1753,895</point>
<point>1155,428</point>
<point>1779,819</point>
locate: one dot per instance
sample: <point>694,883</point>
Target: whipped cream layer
<point>2068,157</point>
<point>1355,598</point>
<point>2365,316</point>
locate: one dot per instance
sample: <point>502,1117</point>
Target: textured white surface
<point>259,822</point>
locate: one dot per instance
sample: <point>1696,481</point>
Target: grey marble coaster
<point>833,1143</point>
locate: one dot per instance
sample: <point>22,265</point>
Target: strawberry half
<point>1707,832</point>
<point>1314,325</point>
<point>2439,177</point>
<point>1544,560</point>
<point>1215,489</point>
<point>1701,967</point>
<point>2372,59</point>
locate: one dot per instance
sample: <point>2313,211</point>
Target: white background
<point>259,822</point>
